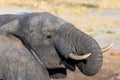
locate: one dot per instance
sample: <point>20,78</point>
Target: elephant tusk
<point>76,57</point>
<point>105,49</point>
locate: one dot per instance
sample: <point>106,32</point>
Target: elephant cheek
<point>91,65</point>
<point>50,58</point>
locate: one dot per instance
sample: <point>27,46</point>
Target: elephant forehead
<point>35,20</point>
<point>53,23</point>
<point>48,29</point>
<point>46,20</point>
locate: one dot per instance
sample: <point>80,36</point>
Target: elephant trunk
<point>84,45</point>
<point>72,40</point>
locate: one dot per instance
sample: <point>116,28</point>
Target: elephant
<point>57,46</point>
<point>17,63</point>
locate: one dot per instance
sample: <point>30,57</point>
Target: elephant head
<point>57,43</point>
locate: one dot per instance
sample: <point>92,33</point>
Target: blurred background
<point>98,18</point>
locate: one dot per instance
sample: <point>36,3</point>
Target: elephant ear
<point>12,28</point>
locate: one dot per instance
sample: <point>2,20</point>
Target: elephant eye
<point>49,37</point>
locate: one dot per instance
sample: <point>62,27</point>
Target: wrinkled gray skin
<point>53,39</point>
<point>16,61</point>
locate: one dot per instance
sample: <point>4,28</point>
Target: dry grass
<point>69,10</point>
<point>73,7</point>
